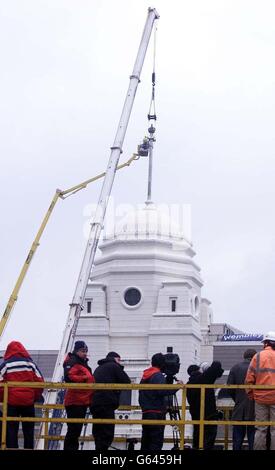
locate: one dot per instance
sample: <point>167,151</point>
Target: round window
<point>132,296</point>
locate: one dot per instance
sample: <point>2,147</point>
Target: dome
<point>151,222</point>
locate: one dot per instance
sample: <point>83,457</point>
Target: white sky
<point>65,67</point>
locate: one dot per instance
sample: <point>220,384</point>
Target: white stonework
<point>206,321</point>
<point>146,252</point>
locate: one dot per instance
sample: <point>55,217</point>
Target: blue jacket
<point>153,400</point>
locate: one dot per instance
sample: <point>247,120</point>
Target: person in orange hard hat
<point>261,371</point>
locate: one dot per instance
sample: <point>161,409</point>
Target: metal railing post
<point>226,429</point>
<point>4,421</point>
<point>201,433</point>
<point>183,412</point>
<point>46,430</point>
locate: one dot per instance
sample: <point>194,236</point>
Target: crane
<point>59,194</point>
<point>76,305</point>
<point>97,223</point>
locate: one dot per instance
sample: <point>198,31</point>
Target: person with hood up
<point>76,370</point>
<point>154,405</point>
<point>18,366</point>
<point>204,374</point>
<point>105,402</point>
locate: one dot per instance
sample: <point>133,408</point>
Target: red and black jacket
<point>153,400</point>
<point>18,366</point>
<point>77,370</point>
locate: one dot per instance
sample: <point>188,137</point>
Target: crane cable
<point>152,108</point>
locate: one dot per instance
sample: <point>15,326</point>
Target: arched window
<point>197,306</point>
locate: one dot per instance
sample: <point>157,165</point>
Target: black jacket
<point>154,400</point>
<point>244,408</point>
<point>194,395</point>
<point>109,372</point>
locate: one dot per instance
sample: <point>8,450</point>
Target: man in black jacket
<point>153,405</point>
<point>105,402</point>
<point>244,409</point>
<point>204,375</point>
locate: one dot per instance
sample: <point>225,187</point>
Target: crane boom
<point>97,223</point>
<point>58,194</point>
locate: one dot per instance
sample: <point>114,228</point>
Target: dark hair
<point>192,368</point>
<point>270,343</point>
<point>158,360</point>
<point>113,354</point>
<point>249,353</point>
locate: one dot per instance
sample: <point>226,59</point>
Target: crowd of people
<point>256,368</point>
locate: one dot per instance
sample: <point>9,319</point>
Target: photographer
<point>153,404</point>
<point>204,374</point>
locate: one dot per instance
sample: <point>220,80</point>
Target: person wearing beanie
<point>77,401</point>
<point>105,402</point>
<point>204,374</point>
<point>244,409</point>
<point>18,366</point>
<point>80,345</point>
<point>153,405</point>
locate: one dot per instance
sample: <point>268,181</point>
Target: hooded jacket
<point>18,366</point>
<point>77,370</point>
<point>153,400</point>
<point>194,395</point>
<point>108,372</point>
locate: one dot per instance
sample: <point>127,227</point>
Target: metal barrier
<point>46,418</point>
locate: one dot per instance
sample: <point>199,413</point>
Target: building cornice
<point>171,258</point>
<point>197,280</point>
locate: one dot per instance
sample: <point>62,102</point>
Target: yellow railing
<point>180,423</point>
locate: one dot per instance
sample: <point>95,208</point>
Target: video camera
<point>171,364</point>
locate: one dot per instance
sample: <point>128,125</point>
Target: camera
<point>171,364</point>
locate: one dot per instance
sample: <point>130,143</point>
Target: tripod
<point>84,430</point>
<point>174,413</point>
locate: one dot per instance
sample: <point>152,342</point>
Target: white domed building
<point>144,295</point>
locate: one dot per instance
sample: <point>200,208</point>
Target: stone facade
<point>149,259</point>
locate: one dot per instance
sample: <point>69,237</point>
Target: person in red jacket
<point>18,366</point>
<point>76,401</point>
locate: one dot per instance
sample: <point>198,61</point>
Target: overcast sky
<point>65,67</point>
